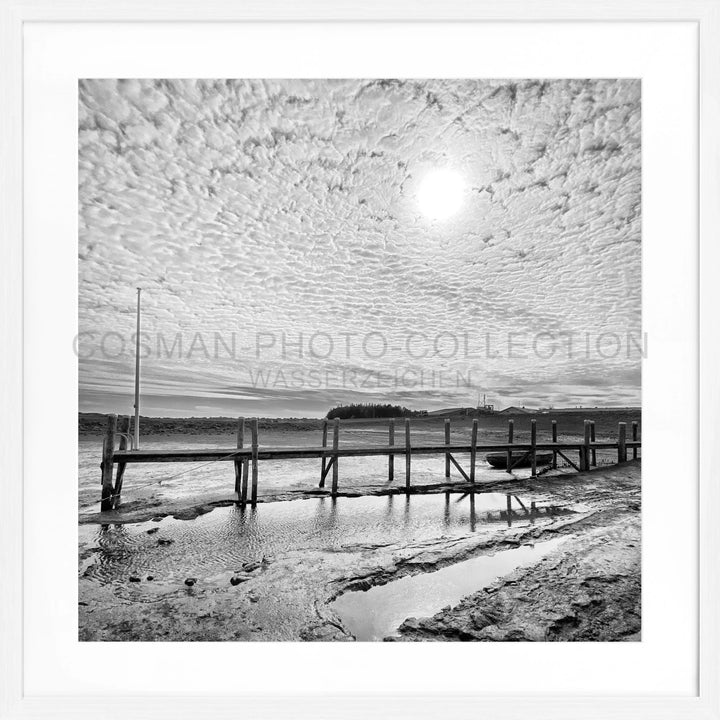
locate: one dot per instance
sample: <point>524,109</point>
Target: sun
<point>440,194</point>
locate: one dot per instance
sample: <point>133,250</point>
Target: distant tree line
<point>369,410</point>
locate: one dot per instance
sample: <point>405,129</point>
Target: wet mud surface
<point>273,573</point>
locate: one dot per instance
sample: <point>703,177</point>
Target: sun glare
<point>440,194</point>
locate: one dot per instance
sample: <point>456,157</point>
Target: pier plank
<point>294,453</point>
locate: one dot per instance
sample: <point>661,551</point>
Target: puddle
<point>224,539</point>
<point>378,612</point>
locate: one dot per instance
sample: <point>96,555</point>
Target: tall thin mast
<point>137,376</point>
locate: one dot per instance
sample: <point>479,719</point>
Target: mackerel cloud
<point>254,208</point>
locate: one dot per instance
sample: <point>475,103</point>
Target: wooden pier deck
<point>247,458</point>
<point>299,453</point>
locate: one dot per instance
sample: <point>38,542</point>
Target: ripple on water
<point>227,538</point>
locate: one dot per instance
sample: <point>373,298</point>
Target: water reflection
<point>225,538</point>
<point>376,613</point>
<point>531,515</point>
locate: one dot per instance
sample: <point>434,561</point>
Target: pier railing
<point>247,458</point>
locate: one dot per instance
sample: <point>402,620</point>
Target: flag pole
<point>136,444</point>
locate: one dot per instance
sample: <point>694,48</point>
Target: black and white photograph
<point>359,360</point>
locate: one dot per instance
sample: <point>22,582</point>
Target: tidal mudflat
<point>286,569</point>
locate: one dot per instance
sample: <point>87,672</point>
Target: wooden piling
<point>447,455</point>
<point>245,480</point>
<point>239,463</point>
<point>336,444</point>
<point>391,457</point>
<point>635,437</point>
<point>622,442</point>
<point>585,460</point>
<point>106,465</point>
<point>554,439</point>
<point>124,431</point>
<point>254,450</point>
<point>511,432</point>
<point>323,467</point>
<point>593,452</point>
<point>533,443</point>
<point>408,455</point>
<point>473,450</point>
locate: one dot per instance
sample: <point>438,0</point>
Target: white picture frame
<point>15,703</point>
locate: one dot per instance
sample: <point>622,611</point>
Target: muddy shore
<point>589,589</point>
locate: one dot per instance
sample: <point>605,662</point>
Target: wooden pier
<point>247,458</point>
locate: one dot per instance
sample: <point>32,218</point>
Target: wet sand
<point>589,588</point>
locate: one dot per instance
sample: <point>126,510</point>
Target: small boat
<point>499,459</point>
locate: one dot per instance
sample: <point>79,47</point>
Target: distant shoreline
<point>94,423</point>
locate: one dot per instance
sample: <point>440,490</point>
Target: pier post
<point>592,440</point>
<point>635,437</point>
<point>473,450</point>
<point>585,464</point>
<point>391,457</point>
<point>447,454</point>
<point>554,439</point>
<point>254,450</point>
<point>511,432</point>
<point>533,443</point>
<point>124,430</point>
<point>246,479</point>
<point>407,454</point>
<point>106,465</point>
<point>238,461</point>
<point>324,460</point>
<point>336,444</point>
<point>622,447</point>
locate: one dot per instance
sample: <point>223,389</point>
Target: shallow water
<point>378,612</point>
<point>222,540</point>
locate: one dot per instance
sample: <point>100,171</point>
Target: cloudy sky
<point>302,243</point>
